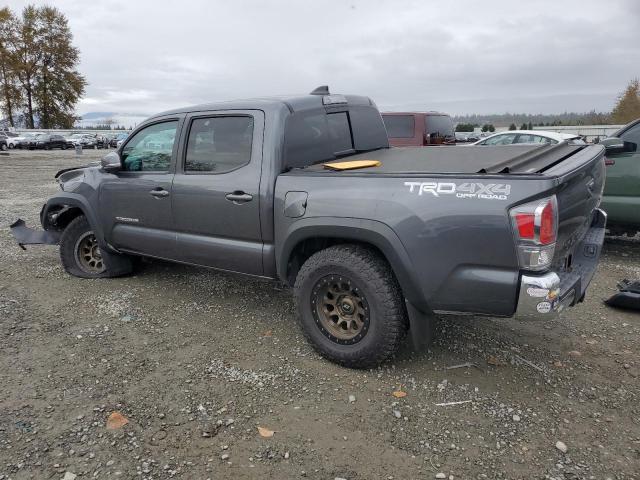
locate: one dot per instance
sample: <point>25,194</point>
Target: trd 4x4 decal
<point>487,191</point>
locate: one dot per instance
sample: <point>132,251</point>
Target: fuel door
<point>295,204</point>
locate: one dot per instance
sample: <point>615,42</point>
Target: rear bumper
<point>545,296</point>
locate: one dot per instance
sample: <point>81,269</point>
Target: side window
<point>150,149</point>
<point>505,139</point>
<point>219,144</point>
<point>631,138</point>
<point>529,138</point>
<point>399,126</point>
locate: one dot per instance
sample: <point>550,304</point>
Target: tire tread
<point>368,264</point>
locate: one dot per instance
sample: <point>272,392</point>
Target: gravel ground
<point>197,360</point>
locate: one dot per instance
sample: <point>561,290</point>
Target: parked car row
<point>48,141</point>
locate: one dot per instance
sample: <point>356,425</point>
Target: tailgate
<point>581,181</point>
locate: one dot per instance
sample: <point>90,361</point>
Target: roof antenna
<point>321,90</point>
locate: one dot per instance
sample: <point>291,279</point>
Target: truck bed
<point>513,159</point>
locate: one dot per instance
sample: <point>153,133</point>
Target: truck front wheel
<point>350,306</point>
<point>82,257</point>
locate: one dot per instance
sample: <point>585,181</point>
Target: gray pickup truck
<point>265,187</point>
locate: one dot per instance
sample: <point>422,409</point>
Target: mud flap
<point>422,327</point>
<point>628,297</point>
<point>28,236</point>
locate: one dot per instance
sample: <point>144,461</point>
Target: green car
<point>621,198</point>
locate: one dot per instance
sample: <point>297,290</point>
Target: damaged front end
<point>78,192</point>
<point>52,217</point>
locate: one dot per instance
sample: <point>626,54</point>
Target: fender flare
<point>373,232</point>
<point>74,200</point>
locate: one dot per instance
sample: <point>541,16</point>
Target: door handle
<point>239,197</point>
<point>159,192</point>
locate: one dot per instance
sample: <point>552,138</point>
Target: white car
<point>536,137</point>
<point>15,142</point>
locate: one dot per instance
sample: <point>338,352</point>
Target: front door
<point>622,187</point>
<point>136,203</point>
<point>215,196</point>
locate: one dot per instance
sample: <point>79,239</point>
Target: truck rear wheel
<point>82,257</point>
<point>350,306</point>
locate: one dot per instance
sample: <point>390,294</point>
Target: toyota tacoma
<point>374,241</point>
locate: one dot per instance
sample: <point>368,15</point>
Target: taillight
<point>526,225</point>
<point>548,223</point>
<point>535,226</point>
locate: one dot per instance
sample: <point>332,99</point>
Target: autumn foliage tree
<point>10,94</point>
<point>41,80</point>
<point>628,105</point>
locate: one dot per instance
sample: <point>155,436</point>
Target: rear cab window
<point>328,127</point>
<point>318,136</point>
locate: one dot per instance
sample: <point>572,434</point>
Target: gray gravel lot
<point>196,360</point>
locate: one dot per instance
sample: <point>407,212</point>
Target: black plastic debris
<point>628,297</point>
<point>28,236</point>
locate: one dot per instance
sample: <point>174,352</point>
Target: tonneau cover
<point>523,159</point>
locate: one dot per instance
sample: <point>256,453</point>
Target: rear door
<point>215,195</point>
<point>622,188</point>
<point>135,203</point>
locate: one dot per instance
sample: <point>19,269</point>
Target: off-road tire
<point>114,264</point>
<point>387,320</point>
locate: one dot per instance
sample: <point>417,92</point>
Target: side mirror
<point>613,145</point>
<point>111,162</point>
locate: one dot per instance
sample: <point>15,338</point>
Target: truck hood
<point>70,178</point>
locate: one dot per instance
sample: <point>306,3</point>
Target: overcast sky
<point>144,56</point>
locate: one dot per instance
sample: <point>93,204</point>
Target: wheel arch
<point>60,210</point>
<point>308,236</point>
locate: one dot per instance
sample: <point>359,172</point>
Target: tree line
<point>39,82</point>
<point>626,109</point>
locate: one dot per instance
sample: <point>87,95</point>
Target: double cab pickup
<point>372,240</point>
